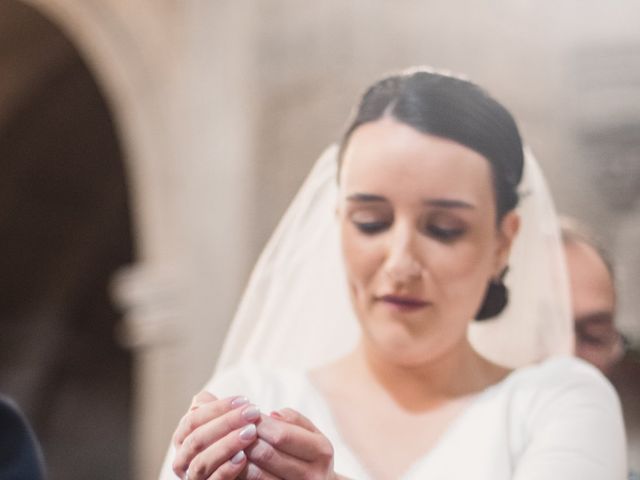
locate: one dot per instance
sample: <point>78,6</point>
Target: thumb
<point>202,398</point>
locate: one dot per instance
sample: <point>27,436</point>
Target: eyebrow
<point>595,318</point>
<point>366,197</point>
<point>448,203</point>
<point>432,202</point>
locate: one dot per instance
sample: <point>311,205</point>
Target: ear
<point>507,231</point>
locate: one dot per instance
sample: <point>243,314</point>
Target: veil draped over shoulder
<point>296,308</point>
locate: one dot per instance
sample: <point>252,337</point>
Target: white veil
<point>296,309</point>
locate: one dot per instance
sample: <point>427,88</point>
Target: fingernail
<point>238,458</point>
<point>251,413</point>
<point>239,401</point>
<point>248,432</point>
<point>277,415</point>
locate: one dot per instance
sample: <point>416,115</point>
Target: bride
<point>427,217</point>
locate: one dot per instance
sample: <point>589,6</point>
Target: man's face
<point>593,302</point>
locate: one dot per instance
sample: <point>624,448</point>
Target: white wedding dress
<point>553,418</point>
<point>556,420</point>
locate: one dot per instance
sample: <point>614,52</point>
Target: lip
<point>403,303</point>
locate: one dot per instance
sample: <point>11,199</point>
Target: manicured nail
<point>238,458</point>
<point>251,413</point>
<point>277,415</point>
<point>239,401</point>
<point>248,432</point>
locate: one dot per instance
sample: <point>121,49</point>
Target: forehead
<point>390,157</point>
<point>591,283</point>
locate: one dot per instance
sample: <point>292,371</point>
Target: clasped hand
<point>220,439</point>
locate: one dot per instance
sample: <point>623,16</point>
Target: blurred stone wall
<point>222,107</point>
<point>569,72</point>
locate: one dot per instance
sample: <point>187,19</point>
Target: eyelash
<point>443,234</point>
<point>371,228</point>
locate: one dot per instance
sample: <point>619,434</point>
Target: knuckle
<point>194,444</point>
<point>182,430</point>
<point>253,472</point>
<point>325,450</point>
<point>178,467</point>
<point>175,438</point>
<point>280,437</point>
<point>197,469</point>
<point>188,422</point>
<point>263,453</point>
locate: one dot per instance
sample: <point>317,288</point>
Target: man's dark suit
<point>20,455</point>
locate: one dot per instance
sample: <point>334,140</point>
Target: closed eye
<point>445,234</point>
<point>371,228</point>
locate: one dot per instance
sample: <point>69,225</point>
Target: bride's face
<point>419,237</point>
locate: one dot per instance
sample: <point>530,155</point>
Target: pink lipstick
<point>403,303</point>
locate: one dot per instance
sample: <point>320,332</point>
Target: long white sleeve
<point>574,428</point>
<point>558,420</point>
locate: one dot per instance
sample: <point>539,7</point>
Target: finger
<point>203,414</point>
<point>294,440</point>
<point>210,433</point>
<point>200,398</point>
<point>274,461</point>
<point>292,416</point>
<point>254,472</point>
<point>230,469</point>
<point>205,463</point>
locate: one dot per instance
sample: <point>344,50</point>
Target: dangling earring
<point>495,298</point>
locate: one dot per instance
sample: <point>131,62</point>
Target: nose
<point>402,264</point>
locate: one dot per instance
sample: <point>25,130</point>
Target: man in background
<point>593,300</point>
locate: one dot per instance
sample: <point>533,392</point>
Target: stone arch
<point>123,60</point>
<point>122,71</point>
<point>155,63</point>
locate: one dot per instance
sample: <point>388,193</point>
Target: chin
<point>398,348</point>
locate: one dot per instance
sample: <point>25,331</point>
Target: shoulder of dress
<point>565,378</point>
<point>562,370</point>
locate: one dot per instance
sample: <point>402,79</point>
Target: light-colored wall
<point>175,77</point>
<point>567,71</point>
<point>222,106</point>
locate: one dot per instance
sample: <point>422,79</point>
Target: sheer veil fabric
<point>296,309</point>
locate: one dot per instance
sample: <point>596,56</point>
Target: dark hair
<point>461,111</point>
<point>451,108</point>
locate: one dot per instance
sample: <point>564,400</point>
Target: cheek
<point>361,259</point>
<point>461,271</point>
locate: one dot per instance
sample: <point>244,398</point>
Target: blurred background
<point>148,148</point>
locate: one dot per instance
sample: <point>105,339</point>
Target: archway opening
<point>65,226</point>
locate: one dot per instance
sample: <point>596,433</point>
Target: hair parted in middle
<point>451,107</point>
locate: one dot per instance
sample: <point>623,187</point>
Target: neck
<point>455,374</point>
